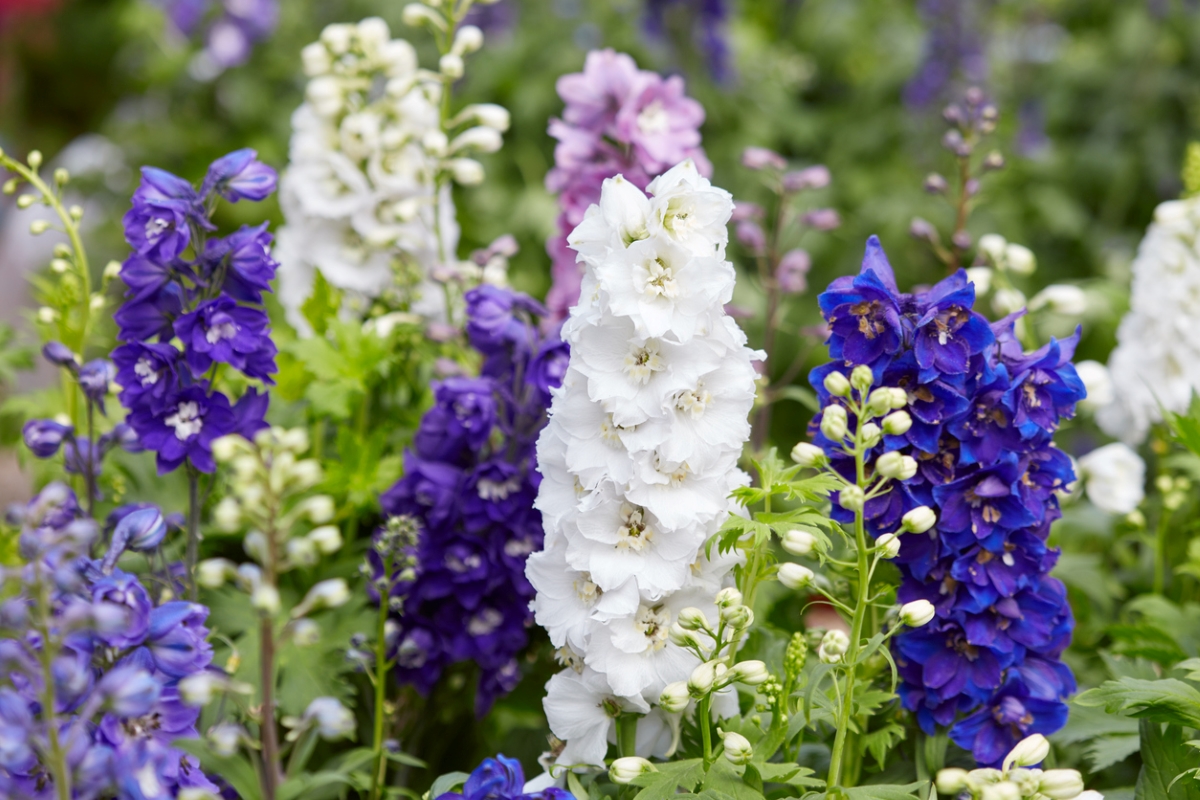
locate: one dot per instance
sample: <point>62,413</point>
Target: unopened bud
<point>1029,751</point>
<point>862,378</point>
<point>751,673</point>
<point>896,466</point>
<point>917,613</point>
<point>213,572</point>
<point>737,748</point>
<point>871,434</point>
<point>451,65</point>
<point>61,176</point>
<point>626,768</point>
<point>1004,790</point>
<point>704,677</point>
<point>951,781</point>
<point>682,637</point>
<point>919,520</point>
<point>1020,259</point>
<point>837,384</point>
<point>35,158</point>
<point>675,697</point>
<point>794,576</point>
<point>1061,784</point>
<point>808,455</point>
<point>852,498</point>
<point>728,598</point>
<point>880,401</point>
<point>889,545</point>
<point>692,619</point>
<point>833,646</point>
<point>833,423</point>
<point>897,423</point>
<point>468,40</point>
<point>38,227</point>
<point>327,539</point>
<point>265,598</point>
<point>799,543</point>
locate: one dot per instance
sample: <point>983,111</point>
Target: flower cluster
<point>639,456</point>
<point>1015,778</point>
<point>92,665</point>
<point>469,486</point>
<point>618,120</point>
<point>194,303</point>
<point>1156,363</point>
<point>367,193</point>
<point>501,778</point>
<point>230,27</point>
<point>981,416</point>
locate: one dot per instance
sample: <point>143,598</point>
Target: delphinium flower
<point>193,308</point>
<point>374,151</point>
<point>1156,363</point>
<point>638,460</point>
<point>617,120</point>
<point>91,704</point>
<point>980,419</point>
<point>705,22</point>
<point>230,28</point>
<point>287,529</point>
<point>501,778</point>
<point>469,486</point>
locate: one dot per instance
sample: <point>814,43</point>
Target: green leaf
<point>448,783</point>
<point>1104,751</point>
<point>1185,428</point>
<point>1166,700</point>
<point>879,742</point>
<point>236,770</point>
<point>723,778</point>
<point>886,791</point>
<point>1086,722</point>
<point>799,394</point>
<point>792,774</point>
<point>304,783</point>
<point>322,305</point>
<point>667,778</point>
<point>1164,756</point>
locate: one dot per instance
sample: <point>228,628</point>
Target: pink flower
<point>661,122</point>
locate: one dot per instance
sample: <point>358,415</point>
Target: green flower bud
<point>809,455</point>
<point>837,384</point>
<point>862,378</point>
<point>834,422</point>
<point>625,769</point>
<point>897,423</point>
<point>737,748</point>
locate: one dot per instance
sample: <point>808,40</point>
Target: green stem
<point>627,734</point>
<point>193,531</point>
<point>382,667</point>
<point>1160,555</point>
<point>704,720</point>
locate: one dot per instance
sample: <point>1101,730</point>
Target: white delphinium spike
<point>639,457</point>
<point>1156,364</point>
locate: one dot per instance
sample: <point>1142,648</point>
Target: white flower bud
<point>837,384</point>
<point>1006,301</point>
<point>1029,751</point>
<point>479,138</point>
<point>737,748</point>
<point>198,689</point>
<point>332,719</point>
<point>265,598</point>
<point>897,423</point>
<point>919,520</point>
<point>373,34</point>
<point>97,302</point>
<point>327,539</point>
<point>992,245</point>
<point>871,434</point>
<point>674,697</point>
<point>833,423</point>
<point>626,768</point>
<point>305,632</point>
<point>415,14</point>
<point>1020,259</point>
<point>112,269</point>
<point>318,508</point>
<point>306,474</point>
<point>59,265</point>
<point>38,227</point>
<point>255,545</point>
<point>880,401</point>
<point>228,515</point>
<point>316,60</point>
<point>1005,790</point>
<point>728,597</point>
<point>982,278</point>
<point>852,498</point>
<point>451,65</point>
<point>682,636</point>
<point>326,594</point>
<point>835,641</point>
<point>889,545</point>
<point>751,673</point>
<point>293,439</point>
<point>337,37</point>
<point>808,455</point>
<point>1061,784</point>
<point>692,619</point>
<point>951,781</point>
<point>799,543</point>
<point>325,95</point>
<point>466,171</point>
<point>468,40</point>
<point>896,466</point>
<point>213,572</point>
<point>34,159</point>
<point>435,142</point>
<point>489,115</point>
<point>917,613</point>
<point>861,378</point>
<point>794,576</point>
<point>703,678</point>
<point>1061,298</point>
<point>301,552</point>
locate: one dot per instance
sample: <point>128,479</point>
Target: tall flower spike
<point>1156,363</point>
<point>618,120</point>
<point>980,418</point>
<point>640,455</point>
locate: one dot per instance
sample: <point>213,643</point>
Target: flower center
<point>654,118</point>
<point>694,401</point>
<point>643,362</point>
<point>146,372</point>
<point>658,279</point>
<point>186,420</point>
<point>654,624</point>
<point>410,655</point>
<point>155,226</point>
<point>569,658</point>
<point>633,534</point>
<point>461,565</point>
<point>484,622</point>
<point>588,592</point>
<point>221,331</point>
<point>497,490</point>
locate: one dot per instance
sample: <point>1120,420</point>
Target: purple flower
<point>463,417</point>
<point>121,592</point>
<point>1045,387</point>
<point>245,259</point>
<point>44,437</point>
<point>549,366</point>
<point>992,731</point>
<point>791,274</point>
<point>95,377</point>
<point>158,226</point>
<point>948,332</point>
<point>129,691</point>
<point>864,312</point>
<point>150,313</point>
<point>177,639</point>
<point>428,490</point>
<point>60,355</point>
<point>501,778</point>
<point>184,428</point>
<point>492,321</point>
<point>240,175</point>
<point>147,373</point>
<point>137,528</point>
<point>660,121</point>
<point>221,330</point>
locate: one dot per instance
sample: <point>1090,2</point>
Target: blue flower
<point>44,437</point>
<point>147,373</point>
<point>1011,715</point>
<point>948,332</point>
<point>501,778</point>
<point>864,312</point>
<point>240,176</point>
<point>165,207</point>
<point>221,330</point>
<point>244,258</point>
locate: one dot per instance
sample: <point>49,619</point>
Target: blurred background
<point>1097,101</point>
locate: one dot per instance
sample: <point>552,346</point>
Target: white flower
<point>1115,478</point>
<point>332,719</point>
<point>581,710</point>
<point>568,601</point>
<point>1061,298</point>
<point>1097,381</point>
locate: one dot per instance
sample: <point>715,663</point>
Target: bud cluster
<point>1016,779</point>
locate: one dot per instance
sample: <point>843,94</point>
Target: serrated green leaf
<point>722,778</point>
<point>668,778</point>
<point>879,743</point>
<point>1166,700</point>
<point>1164,756</point>
<point>322,305</point>
<point>1104,751</point>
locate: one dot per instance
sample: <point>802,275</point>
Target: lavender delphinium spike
<point>469,485</point>
<point>617,120</point>
<point>980,422</point>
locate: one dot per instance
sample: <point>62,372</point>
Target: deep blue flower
<point>1011,715</point>
<point>501,778</point>
<point>60,355</point>
<point>549,366</point>
<point>150,313</point>
<point>138,528</point>
<point>240,176</point>
<point>984,501</point>
<point>244,259</point>
<point>1045,387</point>
<point>122,593</point>
<point>146,372</point>
<point>864,312</point>
<point>44,437</point>
<point>221,330</point>
<point>184,428</point>
<point>95,377</point>
<point>177,639</point>
<point>492,321</point>
<point>462,417</point>
<point>165,207</point>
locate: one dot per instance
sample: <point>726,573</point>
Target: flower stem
<point>382,667</point>
<point>193,531</point>
<point>89,468</point>
<point>704,720</point>
<point>270,741</point>
<point>627,734</point>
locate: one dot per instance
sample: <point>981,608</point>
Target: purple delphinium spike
<point>983,414</point>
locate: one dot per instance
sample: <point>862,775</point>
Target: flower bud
<point>255,545</point>
<point>704,677</point>
<point>897,423</point>
<point>917,613</point>
<point>728,598</point>
<point>837,384</point>
<point>301,552</point>
<point>451,65</point>
<point>331,719</point>
<point>60,355</point>
<point>1007,301</point>
<point>692,619</point>
<point>316,60</point>
<point>896,466</point>
<point>306,474</point>
<point>626,768</point>
<point>871,434</point>
<point>1061,298</point>
<point>199,688</point>
<point>265,598</point>
<point>751,673</point>
<point>799,543</point>
<point>834,645</point>
<point>889,545</point>
<point>305,632</point>
<point>833,423</point>
<point>737,748</point>
<point>327,539</point>
<point>794,576</point>
<point>862,378</point>
<point>466,171</point>
<point>674,697</point>
<point>682,636</point>
<point>1004,790</point>
<point>951,781</point>
<point>738,617</point>
<point>1061,784</point>
<point>1020,259</point>
<point>480,138</point>
<point>228,515</point>
<point>213,572</point>
<point>808,455</point>
<point>1029,751</point>
<point>34,159</point>
<point>326,594</point>
<point>38,227</point>
<point>468,40</point>
<point>919,520</point>
<point>852,498</point>
<point>880,401</point>
<point>224,738</point>
<point>489,115</point>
